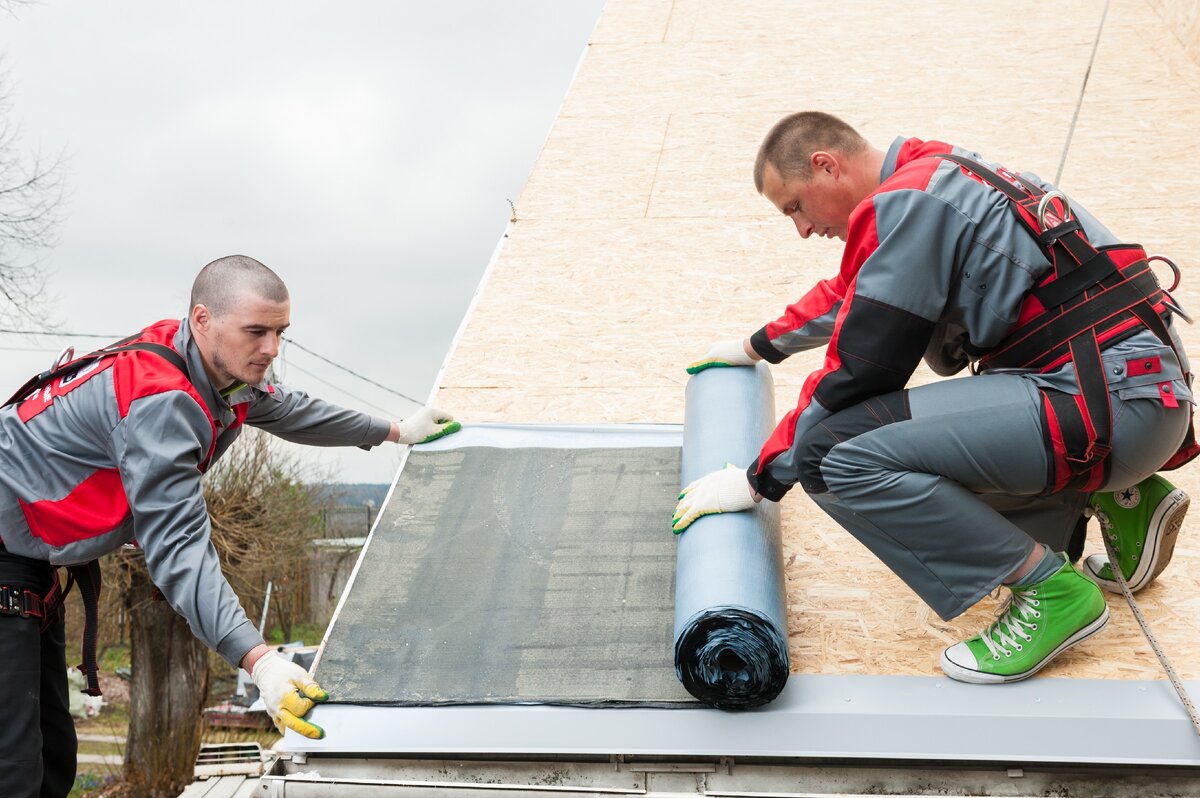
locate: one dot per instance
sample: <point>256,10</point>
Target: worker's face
<point>242,342</point>
<point>818,206</point>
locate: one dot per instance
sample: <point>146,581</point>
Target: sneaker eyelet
<point>1033,627</point>
<point>1007,653</point>
<point>996,656</point>
<point>1018,648</point>
<point>1032,593</point>
<point>1036,614</point>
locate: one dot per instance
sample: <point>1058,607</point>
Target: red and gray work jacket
<point>114,450</point>
<point>960,262</point>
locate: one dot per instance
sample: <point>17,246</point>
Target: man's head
<point>816,169</point>
<point>239,310</point>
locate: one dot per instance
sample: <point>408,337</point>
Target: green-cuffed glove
<point>724,491</point>
<point>427,424</point>
<point>723,354</point>
<point>289,693</point>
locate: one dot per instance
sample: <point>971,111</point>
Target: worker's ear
<point>827,162</point>
<point>200,318</point>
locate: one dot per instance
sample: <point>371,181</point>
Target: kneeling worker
<point>110,448</point>
<point>966,484</point>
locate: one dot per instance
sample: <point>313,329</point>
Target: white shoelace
<point>1012,622</point>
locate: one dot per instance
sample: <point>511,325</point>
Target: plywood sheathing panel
<point>1182,18</point>
<point>640,239</point>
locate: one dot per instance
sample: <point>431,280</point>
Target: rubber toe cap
<point>1093,565</point>
<point>960,654</point>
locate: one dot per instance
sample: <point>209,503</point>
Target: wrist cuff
<point>761,344</point>
<point>765,485</point>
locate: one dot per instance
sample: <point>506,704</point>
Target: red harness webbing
<point>1091,299</point>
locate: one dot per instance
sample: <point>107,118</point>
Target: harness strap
<point>1075,282</point>
<point>1096,407</point>
<point>1041,343</point>
<point>1086,300</point>
<point>88,577</point>
<point>50,375</point>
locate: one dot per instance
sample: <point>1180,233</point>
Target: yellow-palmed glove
<point>723,353</point>
<point>289,693</point>
<point>724,491</point>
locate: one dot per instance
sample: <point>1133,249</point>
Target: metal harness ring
<point>1044,205</point>
<point>1174,268</point>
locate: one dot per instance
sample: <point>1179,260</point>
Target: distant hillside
<point>353,494</point>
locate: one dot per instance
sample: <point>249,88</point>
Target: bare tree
<point>31,198</point>
<point>263,517</point>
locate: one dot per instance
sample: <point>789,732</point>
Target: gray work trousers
<point>943,482</point>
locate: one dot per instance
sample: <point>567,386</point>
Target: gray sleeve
<point>904,253</point>
<point>159,446</point>
<point>297,417</point>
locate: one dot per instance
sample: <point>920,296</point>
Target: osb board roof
<point>639,239</point>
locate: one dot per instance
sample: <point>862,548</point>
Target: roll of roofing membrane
<point>730,614</point>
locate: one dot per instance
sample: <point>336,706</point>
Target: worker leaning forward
<point>1082,388</point>
<point>111,446</point>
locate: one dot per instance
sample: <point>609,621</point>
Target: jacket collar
<point>211,394</point>
<point>891,161</point>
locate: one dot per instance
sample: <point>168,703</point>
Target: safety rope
<point>1176,682</point>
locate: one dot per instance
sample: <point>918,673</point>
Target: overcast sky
<point>364,151</point>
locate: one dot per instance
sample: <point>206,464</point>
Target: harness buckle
<point>1096,453</point>
<point>19,601</point>
<point>1044,206</point>
<point>9,601</point>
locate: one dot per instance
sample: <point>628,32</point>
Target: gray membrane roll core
<point>730,611</point>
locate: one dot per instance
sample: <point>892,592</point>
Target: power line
<point>62,334</point>
<point>343,390</point>
<point>291,341</point>
<point>25,349</point>
<point>352,372</point>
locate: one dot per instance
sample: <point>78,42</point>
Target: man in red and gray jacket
<point>966,484</point>
<point>111,449</point>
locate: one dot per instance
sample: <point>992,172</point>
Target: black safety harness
<point>1092,298</point>
<point>49,608</point>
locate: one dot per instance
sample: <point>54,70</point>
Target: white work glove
<point>289,693</point>
<point>724,491</point>
<point>723,353</point>
<point>427,424</point>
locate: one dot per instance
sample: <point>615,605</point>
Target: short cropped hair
<point>792,141</point>
<point>221,283</point>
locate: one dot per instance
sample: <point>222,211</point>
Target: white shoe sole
<point>961,674</point>
<point>1158,549</point>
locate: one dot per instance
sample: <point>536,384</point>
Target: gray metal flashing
<point>817,717</point>
<point>560,436</point>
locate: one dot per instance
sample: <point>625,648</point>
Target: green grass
<point>309,633</point>
<point>87,783</point>
<point>114,657</point>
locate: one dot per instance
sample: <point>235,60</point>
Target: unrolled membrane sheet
<point>518,565</point>
<point>730,612</point>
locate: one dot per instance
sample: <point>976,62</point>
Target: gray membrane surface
<point>514,575</point>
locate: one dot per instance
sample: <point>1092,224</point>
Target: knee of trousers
<point>812,450</point>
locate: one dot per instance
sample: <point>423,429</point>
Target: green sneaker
<point>1039,622</point>
<point>1142,524</point>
